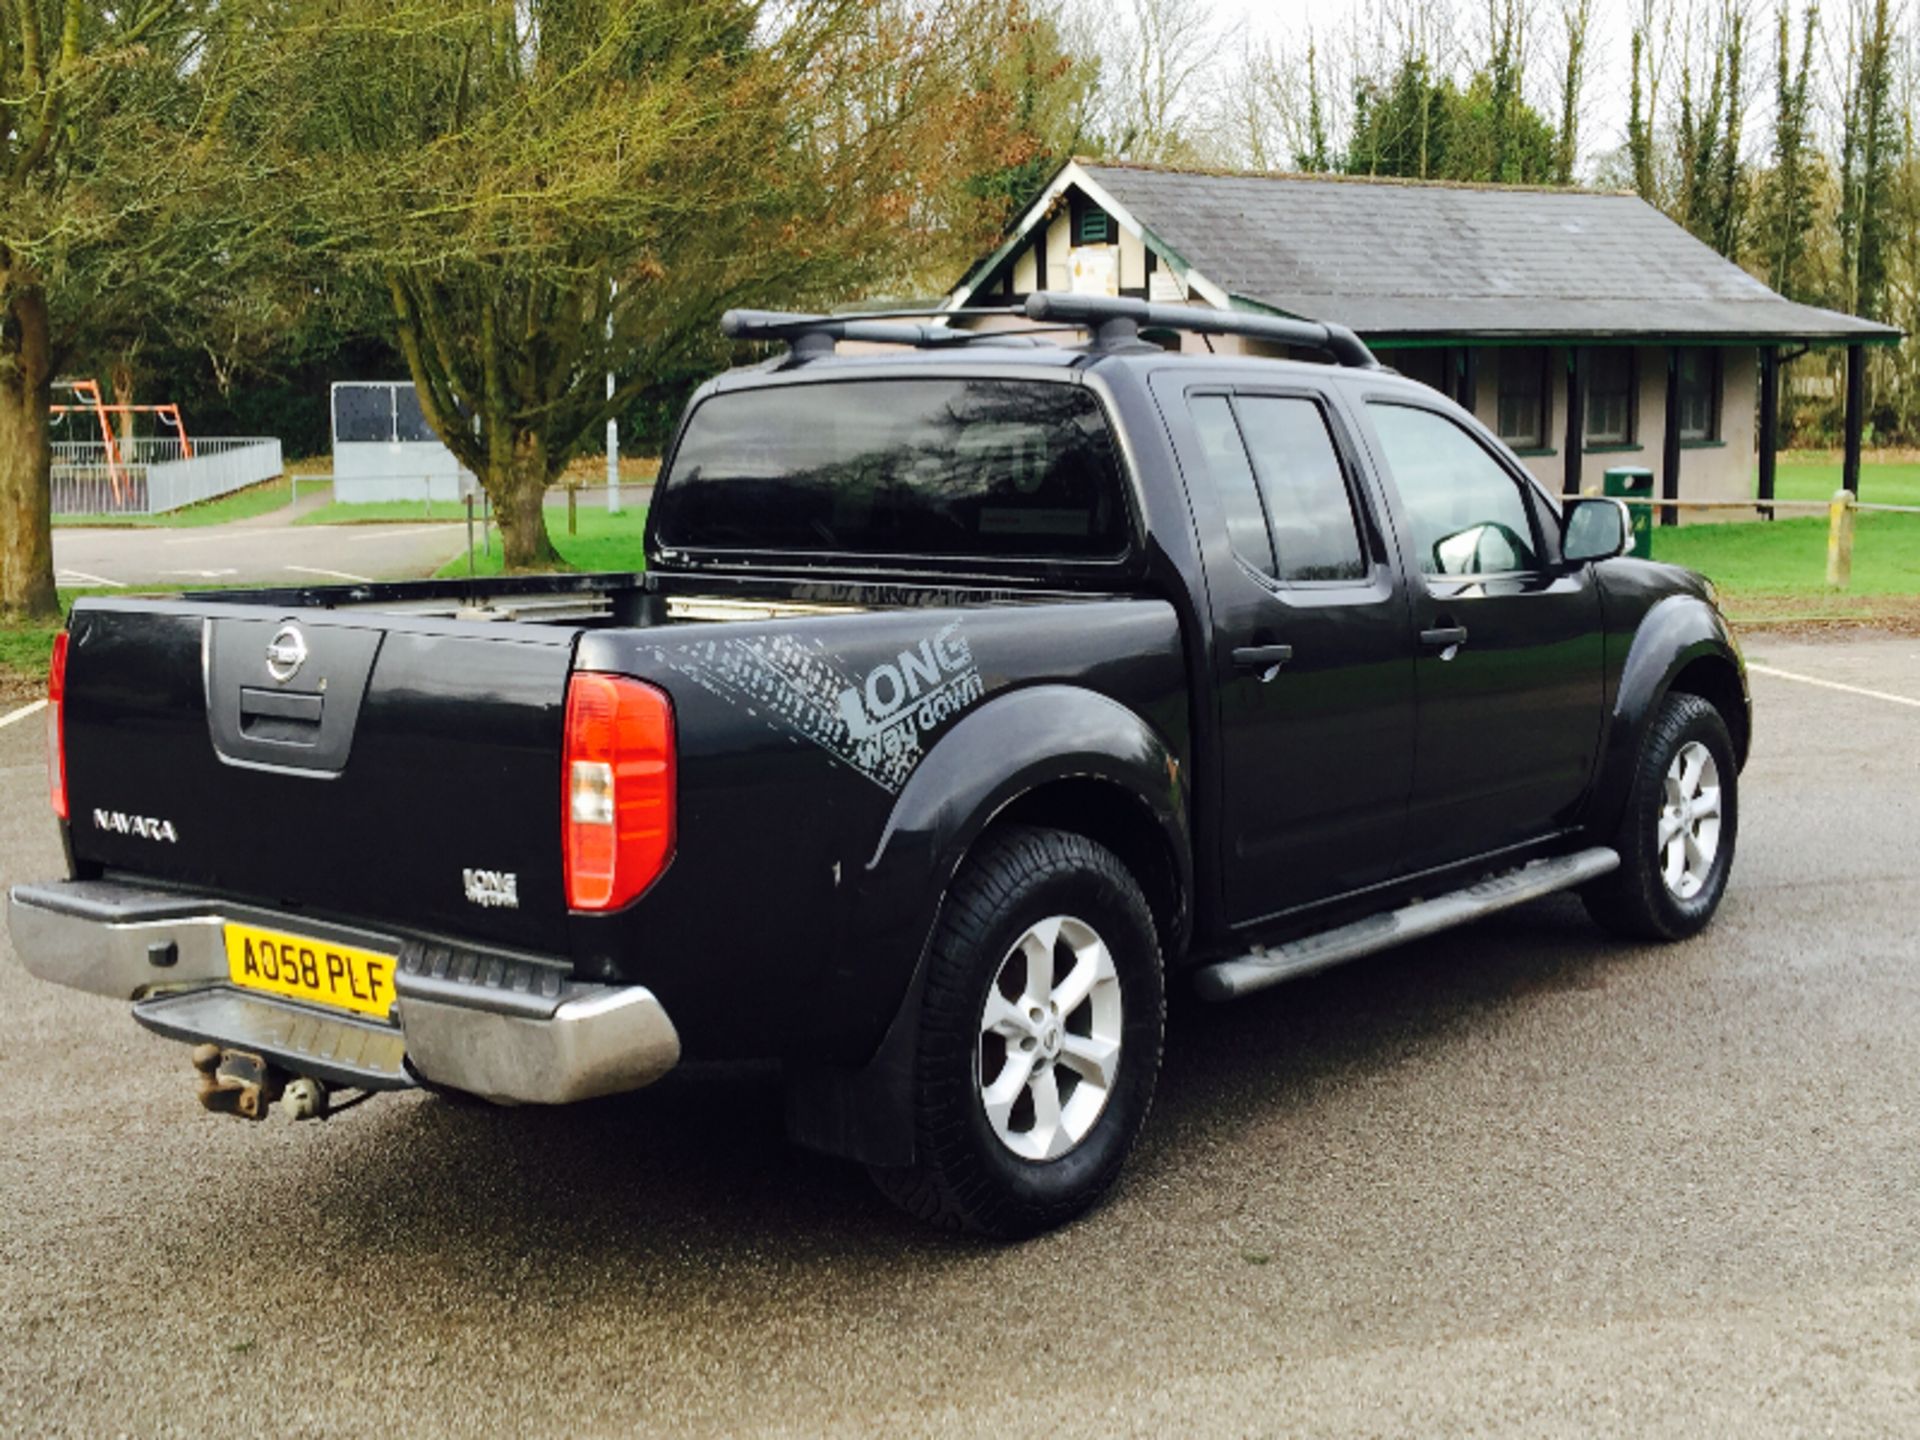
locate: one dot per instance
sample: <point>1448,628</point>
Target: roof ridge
<point>1327,177</point>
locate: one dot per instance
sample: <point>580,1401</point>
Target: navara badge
<point>286,653</point>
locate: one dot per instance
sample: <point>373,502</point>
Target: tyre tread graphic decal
<point>873,723</point>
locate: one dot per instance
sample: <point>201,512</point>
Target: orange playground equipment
<point>92,402</point>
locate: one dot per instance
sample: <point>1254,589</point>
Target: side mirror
<point>1594,528</point>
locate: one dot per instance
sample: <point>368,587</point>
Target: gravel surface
<point>1514,1181</point>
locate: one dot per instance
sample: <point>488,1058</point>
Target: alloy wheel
<point>1050,1031</point>
<point>1688,834</point>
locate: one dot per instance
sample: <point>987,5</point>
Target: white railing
<point>154,475</point>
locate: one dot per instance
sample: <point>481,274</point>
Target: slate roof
<point>1422,260</point>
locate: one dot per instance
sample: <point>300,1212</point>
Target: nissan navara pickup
<point>977,689</point>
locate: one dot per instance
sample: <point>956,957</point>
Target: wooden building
<point>1586,329</point>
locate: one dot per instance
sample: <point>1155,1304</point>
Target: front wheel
<point>1676,838</point>
<point>1040,1036</point>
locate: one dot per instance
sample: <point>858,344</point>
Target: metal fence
<point>153,475</point>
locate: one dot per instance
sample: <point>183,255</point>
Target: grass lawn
<point>1789,556</point>
<point>605,542</point>
<point>25,650</point>
<point>1815,475</point>
<point>240,505</point>
<point>1780,566</point>
<point>23,662</point>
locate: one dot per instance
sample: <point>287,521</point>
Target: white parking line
<point>335,574</point>
<point>1832,685</point>
<point>93,579</point>
<point>22,713</point>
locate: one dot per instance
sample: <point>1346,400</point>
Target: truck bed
<point>419,744</point>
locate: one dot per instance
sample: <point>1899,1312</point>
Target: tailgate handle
<point>288,717</point>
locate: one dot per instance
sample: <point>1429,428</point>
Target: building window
<point>1523,397</point>
<point>1096,227</point>
<point>1610,396</point>
<point>1699,393</point>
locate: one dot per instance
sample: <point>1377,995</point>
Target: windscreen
<point>927,468</point>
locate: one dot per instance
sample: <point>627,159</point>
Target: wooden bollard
<point>1840,540</point>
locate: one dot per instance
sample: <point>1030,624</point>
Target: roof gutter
<point>1390,340</point>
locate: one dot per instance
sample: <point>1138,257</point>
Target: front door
<point>1313,660</point>
<point>1509,674</point>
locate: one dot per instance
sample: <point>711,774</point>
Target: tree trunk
<point>517,484</point>
<point>26,487</point>
<point>120,385</point>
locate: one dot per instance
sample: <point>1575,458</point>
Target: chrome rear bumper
<point>504,1027</point>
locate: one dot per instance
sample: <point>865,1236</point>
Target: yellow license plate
<point>308,969</point>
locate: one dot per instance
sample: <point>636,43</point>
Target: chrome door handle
<point>1265,658</point>
<point>1446,638</point>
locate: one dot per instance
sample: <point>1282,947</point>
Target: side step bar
<point>1230,979</point>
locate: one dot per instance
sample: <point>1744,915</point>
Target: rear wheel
<point>1040,1035</point>
<point>1677,836</point>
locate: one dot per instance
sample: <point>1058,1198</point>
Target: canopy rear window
<point>923,468</point>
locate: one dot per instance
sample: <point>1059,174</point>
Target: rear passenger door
<point>1509,676</point>
<point>1313,662</point>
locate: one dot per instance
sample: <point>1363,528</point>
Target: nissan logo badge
<point>287,653</point>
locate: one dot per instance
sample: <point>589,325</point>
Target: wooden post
<point>1769,421</point>
<point>573,509</point>
<point>1670,442</point>
<point>1840,540</point>
<point>1856,416</point>
<point>1576,442</point>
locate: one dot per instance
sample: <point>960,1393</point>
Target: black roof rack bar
<point>1118,320</point>
<point>810,336</point>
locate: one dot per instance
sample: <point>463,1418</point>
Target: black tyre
<point>1040,1037</point>
<point>1677,836</point>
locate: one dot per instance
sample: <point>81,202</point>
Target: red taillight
<point>616,789</point>
<point>57,726</point>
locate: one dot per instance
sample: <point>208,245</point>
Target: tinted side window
<point>1314,534</point>
<point>1467,513</point>
<point>1233,479</point>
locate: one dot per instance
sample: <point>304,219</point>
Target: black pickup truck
<point>976,690</point>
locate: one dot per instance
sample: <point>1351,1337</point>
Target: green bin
<point>1635,482</point>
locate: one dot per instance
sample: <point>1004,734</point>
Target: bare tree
<point>1278,109</point>
<point>1652,43</point>
<point>1154,67</point>
<point>1576,19</point>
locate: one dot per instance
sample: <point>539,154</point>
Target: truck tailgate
<point>373,766</point>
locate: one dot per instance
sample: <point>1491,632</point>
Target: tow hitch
<point>234,1082</point>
